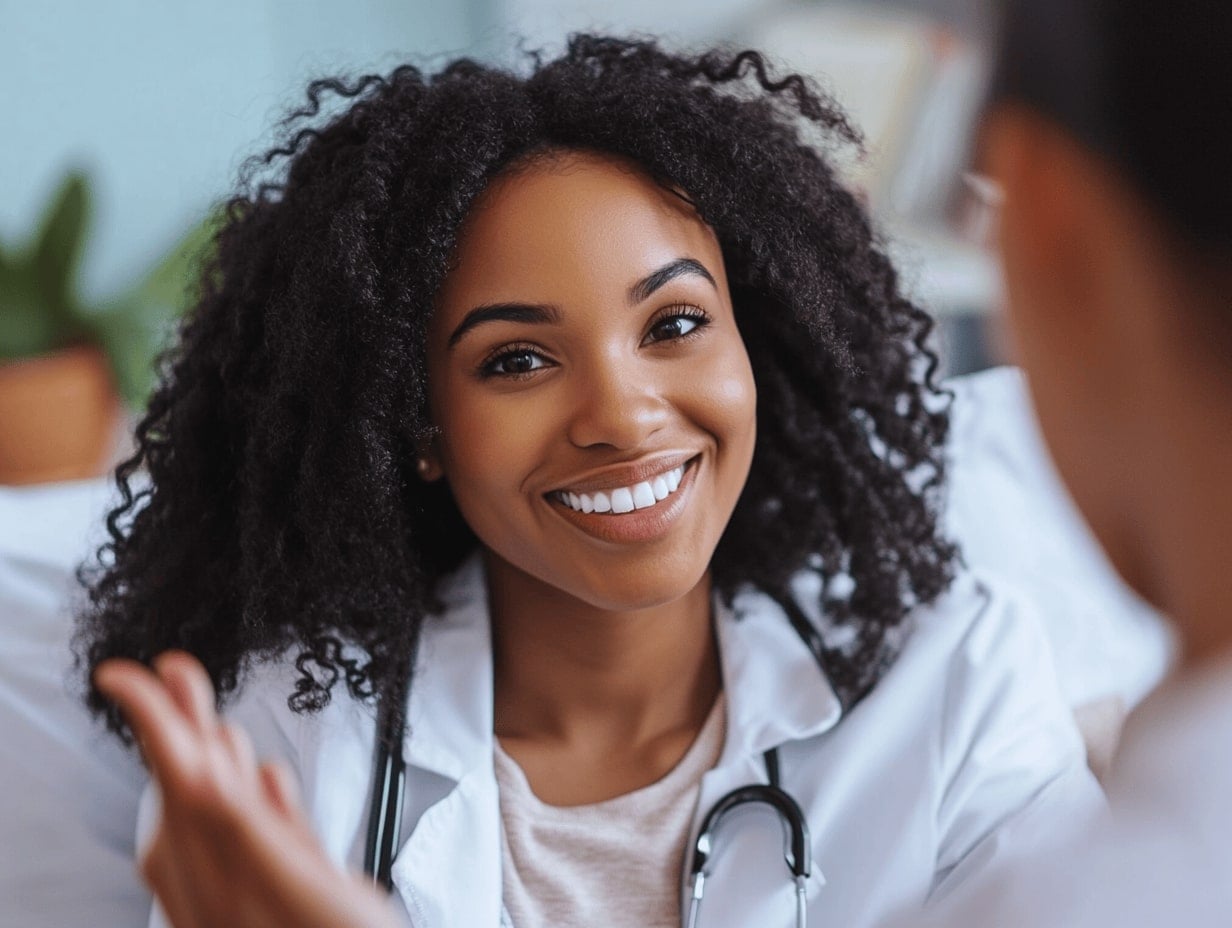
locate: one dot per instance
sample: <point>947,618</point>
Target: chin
<point>631,585</point>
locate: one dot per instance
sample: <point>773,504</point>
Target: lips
<point>639,511</point>
<point>619,500</point>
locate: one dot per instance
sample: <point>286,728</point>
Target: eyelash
<point>488,368</point>
<point>683,311</point>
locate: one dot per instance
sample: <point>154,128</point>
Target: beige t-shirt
<point>613,862</point>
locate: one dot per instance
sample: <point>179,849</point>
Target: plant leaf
<point>57,248</point>
<point>26,329</point>
<point>138,326</point>
<point>132,346</point>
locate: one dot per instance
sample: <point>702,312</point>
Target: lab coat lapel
<point>775,694</point>
<point>448,871</point>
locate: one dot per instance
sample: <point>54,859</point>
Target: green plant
<point>41,310</point>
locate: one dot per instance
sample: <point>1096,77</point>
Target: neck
<point>570,672</point>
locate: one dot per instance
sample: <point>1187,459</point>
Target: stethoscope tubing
<point>797,850</point>
<point>388,790</point>
<point>389,782</point>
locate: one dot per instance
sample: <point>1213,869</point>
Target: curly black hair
<point>282,509</point>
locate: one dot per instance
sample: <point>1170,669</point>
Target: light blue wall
<point>160,100</point>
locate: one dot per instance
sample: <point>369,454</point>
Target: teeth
<point>625,499</point>
<point>622,500</point>
<point>643,496</point>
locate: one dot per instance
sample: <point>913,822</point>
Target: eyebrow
<point>537,313</point>
<point>681,267</point>
<point>547,313</point>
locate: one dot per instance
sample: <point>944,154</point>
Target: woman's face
<point>594,400</point>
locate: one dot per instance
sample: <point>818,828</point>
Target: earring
<point>423,466</point>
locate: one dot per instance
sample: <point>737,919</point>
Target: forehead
<point>571,225</point>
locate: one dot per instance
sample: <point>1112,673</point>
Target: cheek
<point>482,455</point>
<point>1073,392</point>
<point>727,408</point>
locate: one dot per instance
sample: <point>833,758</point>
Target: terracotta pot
<point>59,417</point>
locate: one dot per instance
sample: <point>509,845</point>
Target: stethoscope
<point>389,781</point>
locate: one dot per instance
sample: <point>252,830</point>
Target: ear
<point>428,462</point>
<point>1054,226</point>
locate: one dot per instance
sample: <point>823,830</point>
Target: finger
<point>241,756</point>
<point>190,688</point>
<point>281,790</point>
<point>166,738</point>
<point>297,878</point>
<point>283,794</point>
<point>239,747</point>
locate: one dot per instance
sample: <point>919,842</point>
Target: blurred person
<point>1108,134</point>
<point>588,395</point>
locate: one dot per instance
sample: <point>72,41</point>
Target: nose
<point>618,404</point>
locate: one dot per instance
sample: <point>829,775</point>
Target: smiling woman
<point>574,419</point>
<point>601,305</point>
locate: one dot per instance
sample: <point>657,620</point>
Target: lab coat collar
<point>449,733</point>
<point>775,691</point>
<point>449,715</point>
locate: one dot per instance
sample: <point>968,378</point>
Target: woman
<point>588,395</point>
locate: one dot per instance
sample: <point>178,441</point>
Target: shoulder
<point>976,636</point>
<point>973,610</point>
<point>977,632</point>
<point>974,698</point>
<point>983,650</point>
<point>1011,769</point>
<point>954,651</point>
<point>973,664</point>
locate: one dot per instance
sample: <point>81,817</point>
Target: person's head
<point>588,304</point>
<point>477,297</point>
<point>1108,130</point>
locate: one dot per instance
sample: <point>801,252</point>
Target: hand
<point>233,848</point>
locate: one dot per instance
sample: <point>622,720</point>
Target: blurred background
<point>126,122</point>
<point>123,124</point>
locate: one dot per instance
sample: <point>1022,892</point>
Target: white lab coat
<point>964,752</point>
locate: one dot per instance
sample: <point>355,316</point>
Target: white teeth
<point>625,499</point>
<point>622,500</point>
<point>643,496</point>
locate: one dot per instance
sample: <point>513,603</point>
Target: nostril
<point>616,417</point>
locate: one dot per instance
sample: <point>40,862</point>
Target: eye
<point>682,322</point>
<point>515,361</point>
